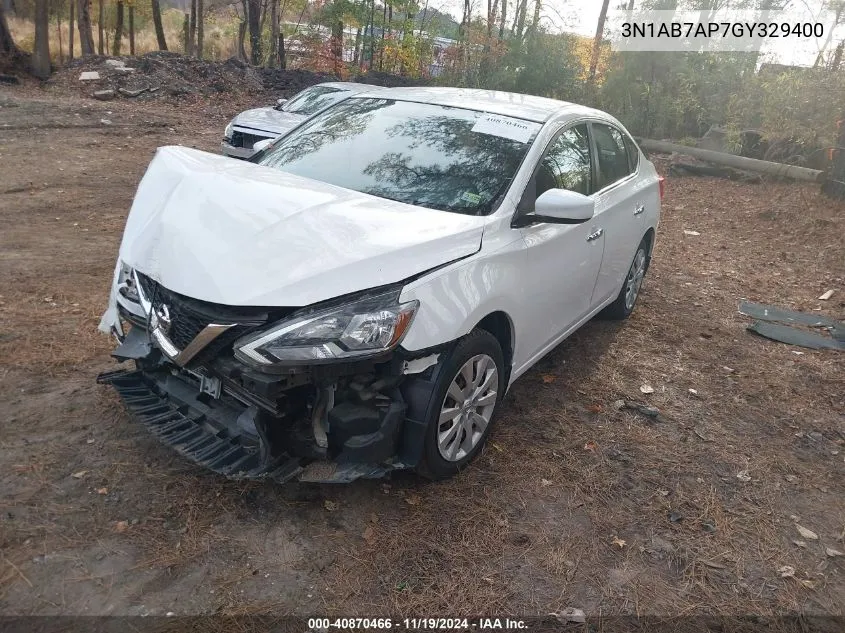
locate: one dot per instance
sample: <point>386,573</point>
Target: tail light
<point>662,182</point>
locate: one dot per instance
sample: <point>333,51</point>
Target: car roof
<point>539,109</point>
<point>351,86</point>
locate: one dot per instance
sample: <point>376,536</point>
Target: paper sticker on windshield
<point>506,127</point>
<point>472,198</point>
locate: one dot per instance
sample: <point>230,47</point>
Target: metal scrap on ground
<point>765,327</point>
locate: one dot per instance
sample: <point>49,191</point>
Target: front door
<point>562,261</point>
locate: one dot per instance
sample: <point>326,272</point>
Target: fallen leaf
<point>102,491</point>
<point>647,389</point>
<point>591,446</point>
<point>595,408</point>
<point>618,404</point>
<point>802,544</point>
<point>809,584</point>
<point>791,478</point>
<point>712,564</point>
<point>693,392</point>
<point>806,533</point>
<point>547,378</point>
<point>618,541</point>
<point>331,506</point>
<point>545,482</point>
<point>688,232</point>
<point>743,475</point>
<point>787,571</point>
<point>80,474</point>
<point>832,552</point>
<point>369,534</point>
<point>412,500</point>
<point>121,526</point>
<point>827,295</point>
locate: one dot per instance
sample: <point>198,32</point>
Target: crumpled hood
<point>268,120</point>
<point>237,233</point>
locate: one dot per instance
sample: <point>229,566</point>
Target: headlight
<point>363,328</point>
<point>228,131</point>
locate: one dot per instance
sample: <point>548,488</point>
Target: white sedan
<point>361,299</point>
<point>251,127</point>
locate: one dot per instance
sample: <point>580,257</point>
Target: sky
<point>581,16</point>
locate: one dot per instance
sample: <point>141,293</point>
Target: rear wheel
<point>624,303</point>
<point>463,405</point>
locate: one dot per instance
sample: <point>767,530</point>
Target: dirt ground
<point>574,503</point>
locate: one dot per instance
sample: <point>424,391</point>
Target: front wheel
<point>624,303</point>
<point>463,404</point>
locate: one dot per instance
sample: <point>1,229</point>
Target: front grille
<point>188,317</point>
<point>242,139</point>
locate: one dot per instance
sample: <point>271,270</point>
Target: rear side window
<point>612,153</point>
<point>633,152</point>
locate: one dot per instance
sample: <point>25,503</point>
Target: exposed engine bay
<point>331,422</point>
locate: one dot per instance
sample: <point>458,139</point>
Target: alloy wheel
<point>635,279</point>
<point>467,408</point>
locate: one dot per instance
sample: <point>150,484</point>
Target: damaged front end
<point>317,393</point>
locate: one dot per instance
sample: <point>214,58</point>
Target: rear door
<point>621,201</point>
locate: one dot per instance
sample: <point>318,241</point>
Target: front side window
<point>612,155</point>
<point>423,154</point>
<point>312,100</point>
<point>566,164</point>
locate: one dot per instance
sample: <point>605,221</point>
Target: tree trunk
<point>186,30</point>
<point>383,27</point>
<point>837,57</point>
<point>372,36</point>
<point>200,27</point>
<point>83,21</point>
<point>159,29</point>
<point>101,25</point>
<point>41,48</point>
<point>594,58</point>
<point>59,33</point>
<point>132,28</point>
<point>535,22</point>
<point>71,27</point>
<point>192,30</point>
<point>274,33</point>
<point>7,43</point>
<point>283,62</point>
<point>118,30</point>
<point>337,45</point>
<point>357,54</point>
<point>519,19</point>
<point>241,38</point>
<point>254,21</point>
<point>504,17</point>
<point>834,184</point>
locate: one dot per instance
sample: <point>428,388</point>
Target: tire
<point>623,305</point>
<point>478,350</point>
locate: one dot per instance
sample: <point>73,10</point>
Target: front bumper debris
<point>192,435</point>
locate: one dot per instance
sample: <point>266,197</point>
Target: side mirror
<point>559,206</point>
<point>260,146</point>
<point>280,103</point>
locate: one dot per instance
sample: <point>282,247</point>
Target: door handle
<point>638,209</point>
<point>595,235</point>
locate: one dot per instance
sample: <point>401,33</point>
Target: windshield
<point>428,155</point>
<point>314,99</point>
